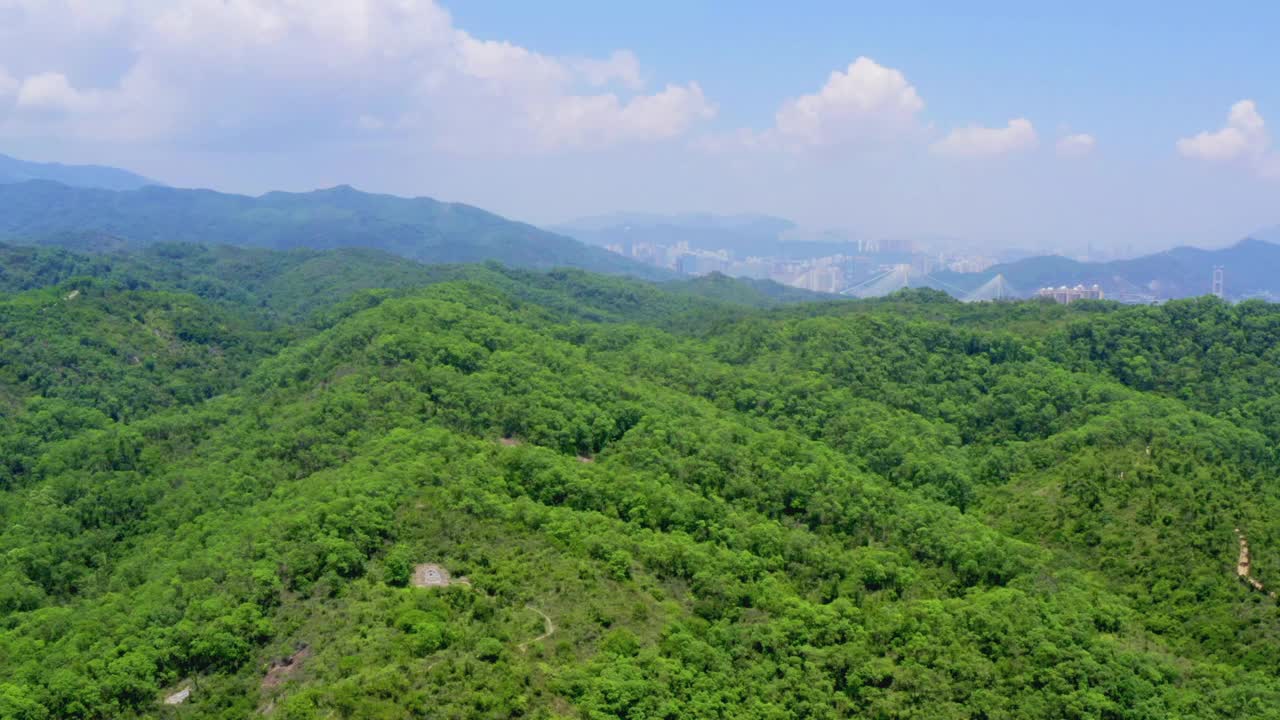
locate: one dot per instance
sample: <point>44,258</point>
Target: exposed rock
<point>179,697</point>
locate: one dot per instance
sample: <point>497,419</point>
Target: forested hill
<point>305,286</point>
<point>648,504</point>
<point>420,229</point>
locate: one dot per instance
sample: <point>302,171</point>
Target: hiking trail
<point>548,625</point>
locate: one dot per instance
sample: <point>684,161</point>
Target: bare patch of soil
<point>1244,566</point>
<point>433,575</point>
<point>283,668</point>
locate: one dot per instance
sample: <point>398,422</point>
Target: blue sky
<point>1139,71</point>
<point>1125,126</point>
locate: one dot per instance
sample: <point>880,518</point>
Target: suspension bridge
<point>901,277</point>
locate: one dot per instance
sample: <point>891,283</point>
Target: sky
<point>1123,127</point>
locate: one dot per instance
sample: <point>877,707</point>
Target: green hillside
<point>312,285</point>
<point>745,291</point>
<point>226,470</point>
<point>420,229</point>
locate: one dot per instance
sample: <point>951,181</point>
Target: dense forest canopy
<point>225,472</point>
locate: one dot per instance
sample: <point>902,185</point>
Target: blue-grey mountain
<point>421,229</point>
<point>1251,268</point>
<point>13,170</point>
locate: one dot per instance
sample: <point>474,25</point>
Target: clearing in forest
<point>281,669</point>
<point>433,575</point>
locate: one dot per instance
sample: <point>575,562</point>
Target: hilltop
<point>13,170</point>
<point>421,229</point>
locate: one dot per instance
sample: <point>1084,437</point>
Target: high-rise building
<point>1064,294</point>
<point>820,278</point>
<point>1219,288</point>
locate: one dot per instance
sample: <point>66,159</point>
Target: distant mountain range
<point>1251,268</point>
<point>742,235</point>
<point>93,219</point>
<point>13,170</point>
<point>104,209</point>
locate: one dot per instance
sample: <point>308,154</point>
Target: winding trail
<point>1244,567</point>
<point>548,625</point>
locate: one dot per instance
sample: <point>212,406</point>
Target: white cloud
<point>1245,134</point>
<point>1076,145</point>
<point>218,70</point>
<point>1244,140</point>
<point>866,103</point>
<point>867,100</point>
<point>51,91</point>
<point>869,104</point>
<point>975,141</point>
<point>622,67</point>
<point>590,120</point>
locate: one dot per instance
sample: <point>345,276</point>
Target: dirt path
<point>549,628</point>
<point>1244,567</point>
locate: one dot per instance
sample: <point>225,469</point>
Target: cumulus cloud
<point>1075,145</point>
<point>1244,134</point>
<point>868,104</point>
<point>209,71</point>
<point>862,104</point>
<point>866,100</point>
<point>1243,140</point>
<point>974,141</point>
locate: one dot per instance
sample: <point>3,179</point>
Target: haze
<point>1126,129</point>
